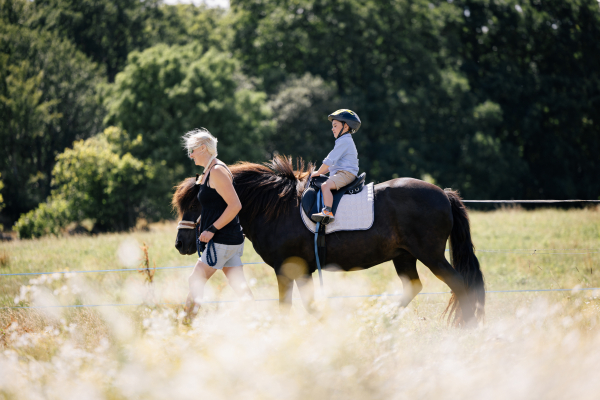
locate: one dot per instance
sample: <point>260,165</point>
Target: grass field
<point>532,344</point>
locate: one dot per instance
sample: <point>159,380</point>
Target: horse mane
<point>269,188</point>
<point>186,194</point>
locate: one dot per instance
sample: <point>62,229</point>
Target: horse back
<point>413,192</point>
<point>413,205</point>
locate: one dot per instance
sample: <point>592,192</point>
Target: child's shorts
<point>342,178</point>
<point>228,255</point>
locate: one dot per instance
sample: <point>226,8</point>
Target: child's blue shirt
<point>344,156</point>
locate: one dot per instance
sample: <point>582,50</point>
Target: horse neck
<point>249,226</point>
<point>254,226</point>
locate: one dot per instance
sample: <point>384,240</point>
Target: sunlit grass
<point>532,345</point>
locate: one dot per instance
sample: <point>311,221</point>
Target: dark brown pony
<point>413,221</point>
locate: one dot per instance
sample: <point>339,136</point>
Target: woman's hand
<point>206,236</point>
<point>316,173</point>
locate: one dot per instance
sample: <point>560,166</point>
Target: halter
<point>211,257</point>
<point>183,224</point>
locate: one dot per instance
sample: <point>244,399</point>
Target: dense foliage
<point>1,199</point>
<point>496,98</point>
<point>48,99</point>
<point>165,91</point>
<point>93,180</point>
<point>540,62</point>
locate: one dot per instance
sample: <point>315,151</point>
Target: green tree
<point>93,180</point>
<point>105,30</point>
<point>387,61</point>
<point>165,91</point>
<point>48,98</point>
<point>25,113</point>
<point>494,98</point>
<point>300,108</point>
<point>540,62</point>
<point>1,198</point>
<point>186,23</point>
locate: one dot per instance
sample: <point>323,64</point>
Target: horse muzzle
<point>185,242</point>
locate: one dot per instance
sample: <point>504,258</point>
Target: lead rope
<point>316,249</point>
<point>211,259</point>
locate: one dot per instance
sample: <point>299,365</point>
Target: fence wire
<point>531,201</point>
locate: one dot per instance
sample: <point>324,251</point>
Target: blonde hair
<point>197,137</point>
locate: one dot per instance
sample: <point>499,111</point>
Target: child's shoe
<point>325,216</point>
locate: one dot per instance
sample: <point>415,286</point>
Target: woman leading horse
<point>220,233</point>
<point>413,221</point>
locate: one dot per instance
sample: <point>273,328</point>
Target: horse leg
<point>295,269</point>
<point>285,286</point>
<point>306,288</point>
<point>406,268</point>
<point>442,269</point>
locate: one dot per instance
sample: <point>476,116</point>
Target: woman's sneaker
<point>191,310</point>
<point>325,216</point>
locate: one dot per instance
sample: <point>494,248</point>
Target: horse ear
<point>197,177</point>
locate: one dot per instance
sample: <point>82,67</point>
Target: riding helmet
<point>347,116</point>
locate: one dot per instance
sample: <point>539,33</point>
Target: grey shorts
<point>228,255</point>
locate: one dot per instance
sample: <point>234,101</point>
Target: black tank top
<point>213,207</point>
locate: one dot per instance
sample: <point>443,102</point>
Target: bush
<point>93,180</point>
<point>48,219</point>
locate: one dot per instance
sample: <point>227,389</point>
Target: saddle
<point>309,196</point>
<point>310,207</point>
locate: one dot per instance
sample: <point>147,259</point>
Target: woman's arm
<point>220,180</point>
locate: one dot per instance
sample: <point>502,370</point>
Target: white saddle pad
<point>355,212</point>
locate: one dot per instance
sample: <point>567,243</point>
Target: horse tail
<point>464,261</point>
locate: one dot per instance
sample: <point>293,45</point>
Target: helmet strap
<point>341,132</point>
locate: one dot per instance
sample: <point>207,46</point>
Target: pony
<point>413,220</point>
